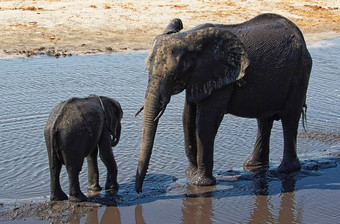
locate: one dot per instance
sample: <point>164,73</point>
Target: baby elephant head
<point>113,116</point>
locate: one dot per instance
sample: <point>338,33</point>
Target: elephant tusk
<point>140,110</point>
<point>160,114</point>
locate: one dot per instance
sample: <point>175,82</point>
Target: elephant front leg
<point>106,155</point>
<point>189,127</point>
<point>93,173</point>
<point>260,155</point>
<point>209,115</point>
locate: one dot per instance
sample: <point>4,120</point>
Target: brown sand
<point>57,27</point>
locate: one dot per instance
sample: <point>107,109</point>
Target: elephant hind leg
<point>73,171</point>
<point>93,173</point>
<point>260,155</point>
<point>57,194</point>
<point>290,121</point>
<point>291,116</point>
<point>290,161</point>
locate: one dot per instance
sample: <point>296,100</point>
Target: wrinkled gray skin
<point>257,69</point>
<point>76,129</point>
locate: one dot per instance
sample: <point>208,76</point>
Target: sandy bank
<point>62,27</point>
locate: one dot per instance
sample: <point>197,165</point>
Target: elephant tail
<point>304,116</point>
<point>55,134</point>
<point>55,143</point>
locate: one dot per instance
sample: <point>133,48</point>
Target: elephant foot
<point>250,166</point>
<point>58,197</point>
<point>289,166</point>
<point>112,186</point>
<point>80,197</point>
<point>94,187</point>
<point>191,171</point>
<point>203,180</point>
<point>254,162</point>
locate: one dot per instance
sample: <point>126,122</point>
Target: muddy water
<point>30,88</point>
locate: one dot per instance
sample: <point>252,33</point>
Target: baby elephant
<point>76,129</point>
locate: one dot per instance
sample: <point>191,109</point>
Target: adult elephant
<point>76,129</point>
<point>257,69</point>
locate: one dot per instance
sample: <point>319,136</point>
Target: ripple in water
<point>30,88</point>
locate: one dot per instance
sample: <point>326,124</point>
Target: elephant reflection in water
<point>262,213</point>
<point>197,208</point>
<point>198,205</point>
<point>112,215</point>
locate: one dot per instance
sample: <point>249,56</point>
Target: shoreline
<point>63,28</point>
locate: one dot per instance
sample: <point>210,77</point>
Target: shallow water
<point>30,88</point>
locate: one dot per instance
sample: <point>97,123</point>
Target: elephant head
<point>200,60</point>
<point>113,115</point>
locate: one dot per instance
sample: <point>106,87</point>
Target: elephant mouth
<point>114,141</point>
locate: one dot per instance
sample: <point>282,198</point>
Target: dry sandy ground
<point>62,27</point>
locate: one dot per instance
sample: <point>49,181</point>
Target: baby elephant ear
<point>174,26</point>
<point>221,61</point>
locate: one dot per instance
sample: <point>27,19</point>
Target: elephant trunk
<point>148,136</point>
<point>156,99</point>
<point>116,137</point>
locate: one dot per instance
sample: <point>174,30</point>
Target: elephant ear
<point>174,26</point>
<point>113,112</point>
<point>221,61</point>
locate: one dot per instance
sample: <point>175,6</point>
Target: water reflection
<point>262,212</point>
<point>111,215</point>
<point>198,205</point>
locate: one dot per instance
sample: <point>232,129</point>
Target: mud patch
<point>54,212</point>
<point>328,138</point>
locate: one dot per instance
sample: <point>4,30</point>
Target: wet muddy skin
<point>310,195</point>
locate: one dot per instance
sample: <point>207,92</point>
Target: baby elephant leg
<point>74,189</point>
<point>57,194</point>
<point>106,155</point>
<point>93,173</point>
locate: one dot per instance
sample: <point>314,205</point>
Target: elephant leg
<point>93,173</point>
<point>290,161</point>
<point>57,194</point>
<point>290,122</point>
<point>209,115</point>
<point>106,155</point>
<point>260,155</point>
<point>189,126</point>
<point>73,170</point>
